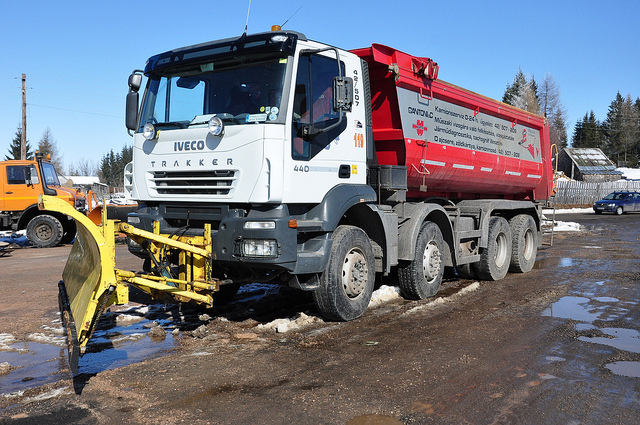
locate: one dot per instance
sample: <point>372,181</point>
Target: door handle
<point>8,193</point>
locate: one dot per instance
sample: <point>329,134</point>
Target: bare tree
<point>552,108</point>
<point>83,167</point>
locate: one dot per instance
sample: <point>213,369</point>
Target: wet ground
<point>560,344</point>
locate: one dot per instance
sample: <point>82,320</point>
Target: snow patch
<point>48,395</point>
<point>47,339</point>
<point>128,319</point>
<point>566,226</point>
<point>383,295</point>
<point>285,325</point>
<point>442,300</point>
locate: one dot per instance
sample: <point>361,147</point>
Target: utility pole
<point>23,140</point>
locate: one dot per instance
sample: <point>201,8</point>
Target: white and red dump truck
<point>274,158</point>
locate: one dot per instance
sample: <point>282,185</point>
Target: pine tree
<point>523,93</point>
<point>15,147</point>
<point>612,127</point>
<point>48,146</point>
<point>588,133</point>
<point>630,133</point>
<point>112,166</point>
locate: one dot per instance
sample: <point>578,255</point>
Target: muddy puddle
<point>125,335</point>
<point>600,312</point>
<point>121,339</point>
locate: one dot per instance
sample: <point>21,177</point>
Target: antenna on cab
<point>294,14</point>
<point>246,25</point>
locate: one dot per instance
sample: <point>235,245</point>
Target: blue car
<point>618,202</point>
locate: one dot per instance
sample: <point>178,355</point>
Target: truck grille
<point>216,182</point>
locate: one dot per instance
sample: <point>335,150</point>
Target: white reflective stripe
<point>513,173</point>
<point>486,169</point>
<point>534,176</point>
<point>323,169</point>
<point>429,162</point>
<point>464,167</point>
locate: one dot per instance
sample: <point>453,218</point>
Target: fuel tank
<point>455,143</point>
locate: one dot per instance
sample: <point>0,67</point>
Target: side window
<point>313,106</point>
<point>15,174</point>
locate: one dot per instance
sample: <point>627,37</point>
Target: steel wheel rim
<point>501,250</point>
<point>44,232</point>
<point>527,253</point>
<point>355,273</point>
<point>431,261</point>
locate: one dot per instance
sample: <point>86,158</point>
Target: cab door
<point>18,192</point>
<point>3,181</point>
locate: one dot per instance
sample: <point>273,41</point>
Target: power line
<point>76,111</point>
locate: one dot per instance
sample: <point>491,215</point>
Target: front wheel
<point>347,283</point>
<point>619,211</point>
<point>421,277</point>
<point>496,257</point>
<point>44,231</point>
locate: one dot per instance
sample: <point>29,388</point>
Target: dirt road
<point>560,344</point>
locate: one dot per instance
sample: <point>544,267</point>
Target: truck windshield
<point>50,175</point>
<point>237,92</point>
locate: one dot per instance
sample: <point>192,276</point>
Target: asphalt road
<point>558,345</point>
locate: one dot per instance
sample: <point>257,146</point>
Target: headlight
<point>259,248</point>
<point>149,131</point>
<point>216,127</point>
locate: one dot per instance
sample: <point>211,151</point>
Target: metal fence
<point>571,193</point>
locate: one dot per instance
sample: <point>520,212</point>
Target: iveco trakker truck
<point>274,158</point>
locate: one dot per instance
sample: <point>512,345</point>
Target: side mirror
<point>31,176</point>
<point>342,94</point>
<point>135,81</point>
<point>131,113</point>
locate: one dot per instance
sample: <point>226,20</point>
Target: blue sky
<point>77,55</point>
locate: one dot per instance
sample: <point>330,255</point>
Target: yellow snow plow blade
<point>91,282</point>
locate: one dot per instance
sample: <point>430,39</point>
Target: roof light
<point>279,38</point>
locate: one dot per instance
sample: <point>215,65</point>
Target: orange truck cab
<point>21,183</point>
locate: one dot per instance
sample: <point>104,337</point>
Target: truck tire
<point>421,277</point>
<point>524,246</point>
<point>69,230</point>
<point>347,283</point>
<point>496,257</point>
<point>44,231</point>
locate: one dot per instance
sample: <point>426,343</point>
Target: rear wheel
<point>421,277</point>
<point>347,283</point>
<point>524,246</point>
<point>44,231</point>
<point>496,257</point>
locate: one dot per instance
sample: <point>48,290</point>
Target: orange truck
<point>21,183</point>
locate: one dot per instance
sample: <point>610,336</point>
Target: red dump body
<point>455,143</point>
